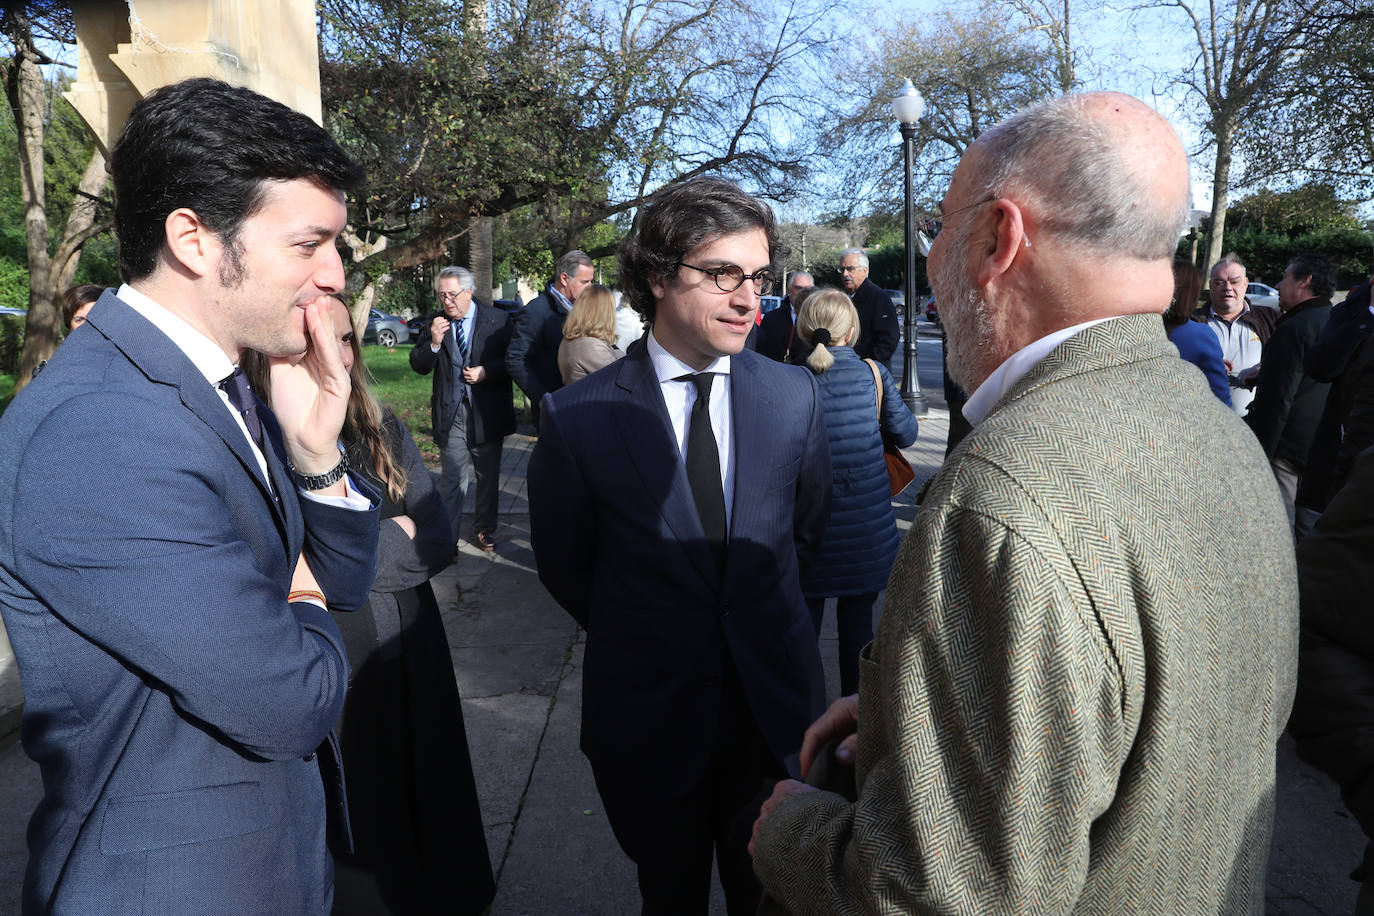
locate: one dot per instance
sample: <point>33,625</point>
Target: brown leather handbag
<point>899,470</point>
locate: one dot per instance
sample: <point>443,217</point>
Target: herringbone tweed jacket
<point>1074,696</point>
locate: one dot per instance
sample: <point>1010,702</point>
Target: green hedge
<point>1266,254</point>
<point>11,342</point>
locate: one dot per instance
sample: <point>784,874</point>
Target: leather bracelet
<point>321,481</point>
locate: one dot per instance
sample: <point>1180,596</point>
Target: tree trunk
<point>479,256</point>
<point>364,289</point>
<point>27,97</point>
<point>81,223</point>
<point>1221,177</point>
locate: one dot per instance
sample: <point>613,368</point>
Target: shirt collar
<point>204,353</point>
<point>561,300</point>
<point>668,368</point>
<point>1014,368</point>
<point>1244,310</point>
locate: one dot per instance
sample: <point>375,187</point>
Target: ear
<point>658,285</point>
<point>1008,235</point>
<point>191,243</point>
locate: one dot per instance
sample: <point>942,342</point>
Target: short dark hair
<point>208,146</point>
<point>678,218</point>
<point>74,298</point>
<point>1320,268</point>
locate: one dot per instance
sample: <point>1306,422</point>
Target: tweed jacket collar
<point>1128,339</point>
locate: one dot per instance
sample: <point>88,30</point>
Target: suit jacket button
<point>309,757</point>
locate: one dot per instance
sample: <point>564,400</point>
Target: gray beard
<point>969,332</point>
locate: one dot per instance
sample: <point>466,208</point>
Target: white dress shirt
<point>1012,370</point>
<point>679,398</point>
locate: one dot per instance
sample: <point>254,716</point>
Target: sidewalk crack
<point>534,762</point>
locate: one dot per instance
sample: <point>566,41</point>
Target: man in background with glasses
<point>672,496</point>
<point>471,409</point>
<point>879,333</point>
<point>1241,329</point>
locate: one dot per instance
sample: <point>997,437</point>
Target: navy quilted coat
<point>860,539</point>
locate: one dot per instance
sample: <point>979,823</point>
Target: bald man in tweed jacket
<point>1076,689</point>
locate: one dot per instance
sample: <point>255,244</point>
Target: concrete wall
<point>124,51</point>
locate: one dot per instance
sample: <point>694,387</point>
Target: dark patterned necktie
<point>240,393</point>
<point>462,340</point>
<point>703,462</point>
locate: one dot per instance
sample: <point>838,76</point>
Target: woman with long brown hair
<point>419,846</point>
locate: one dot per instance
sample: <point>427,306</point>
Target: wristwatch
<point>321,481</point>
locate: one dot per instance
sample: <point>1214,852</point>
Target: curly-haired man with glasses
<point>671,495</point>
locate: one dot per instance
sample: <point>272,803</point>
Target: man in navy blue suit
<point>671,495</point>
<point>169,544</point>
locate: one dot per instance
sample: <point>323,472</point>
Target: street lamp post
<point>908,107</point>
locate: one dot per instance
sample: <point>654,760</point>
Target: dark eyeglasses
<point>730,277</point>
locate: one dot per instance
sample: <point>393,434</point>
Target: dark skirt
<point>419,846</point>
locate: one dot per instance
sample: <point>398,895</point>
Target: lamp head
<point>908,106</point>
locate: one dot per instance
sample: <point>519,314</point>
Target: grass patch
<point>407,392</point>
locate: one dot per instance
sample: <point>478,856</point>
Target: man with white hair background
<point>879,333</point>
<point>1064,709</point>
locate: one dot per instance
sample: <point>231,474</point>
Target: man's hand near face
<point>437,329</point>
<point>310,395</point>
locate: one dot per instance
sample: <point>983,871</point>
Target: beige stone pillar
<point>125,51</point>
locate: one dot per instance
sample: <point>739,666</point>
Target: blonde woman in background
<point>860,539</point>
<point>589,335</point>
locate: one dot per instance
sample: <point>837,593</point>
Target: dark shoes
<point>484,542</point>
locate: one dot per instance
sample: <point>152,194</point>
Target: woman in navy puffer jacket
<point>860,539</point>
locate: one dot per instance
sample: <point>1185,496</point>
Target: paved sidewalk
<point>518,659</point>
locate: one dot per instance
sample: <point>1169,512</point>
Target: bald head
<point>1066,212</point>
<point>1100,170</point>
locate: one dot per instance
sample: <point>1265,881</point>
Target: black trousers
<point>854,624</point>
<point>671,840</point>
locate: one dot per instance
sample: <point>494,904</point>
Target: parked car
<point>898,297</point>
<point>384,329</point>
<point>768,303</point>
<point>1262,294</point>
<point>6,310</point>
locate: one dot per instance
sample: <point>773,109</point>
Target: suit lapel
<point>656,458</point>
<point>163,362</point>
<point>753,412</point>
<point>201,398</point>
